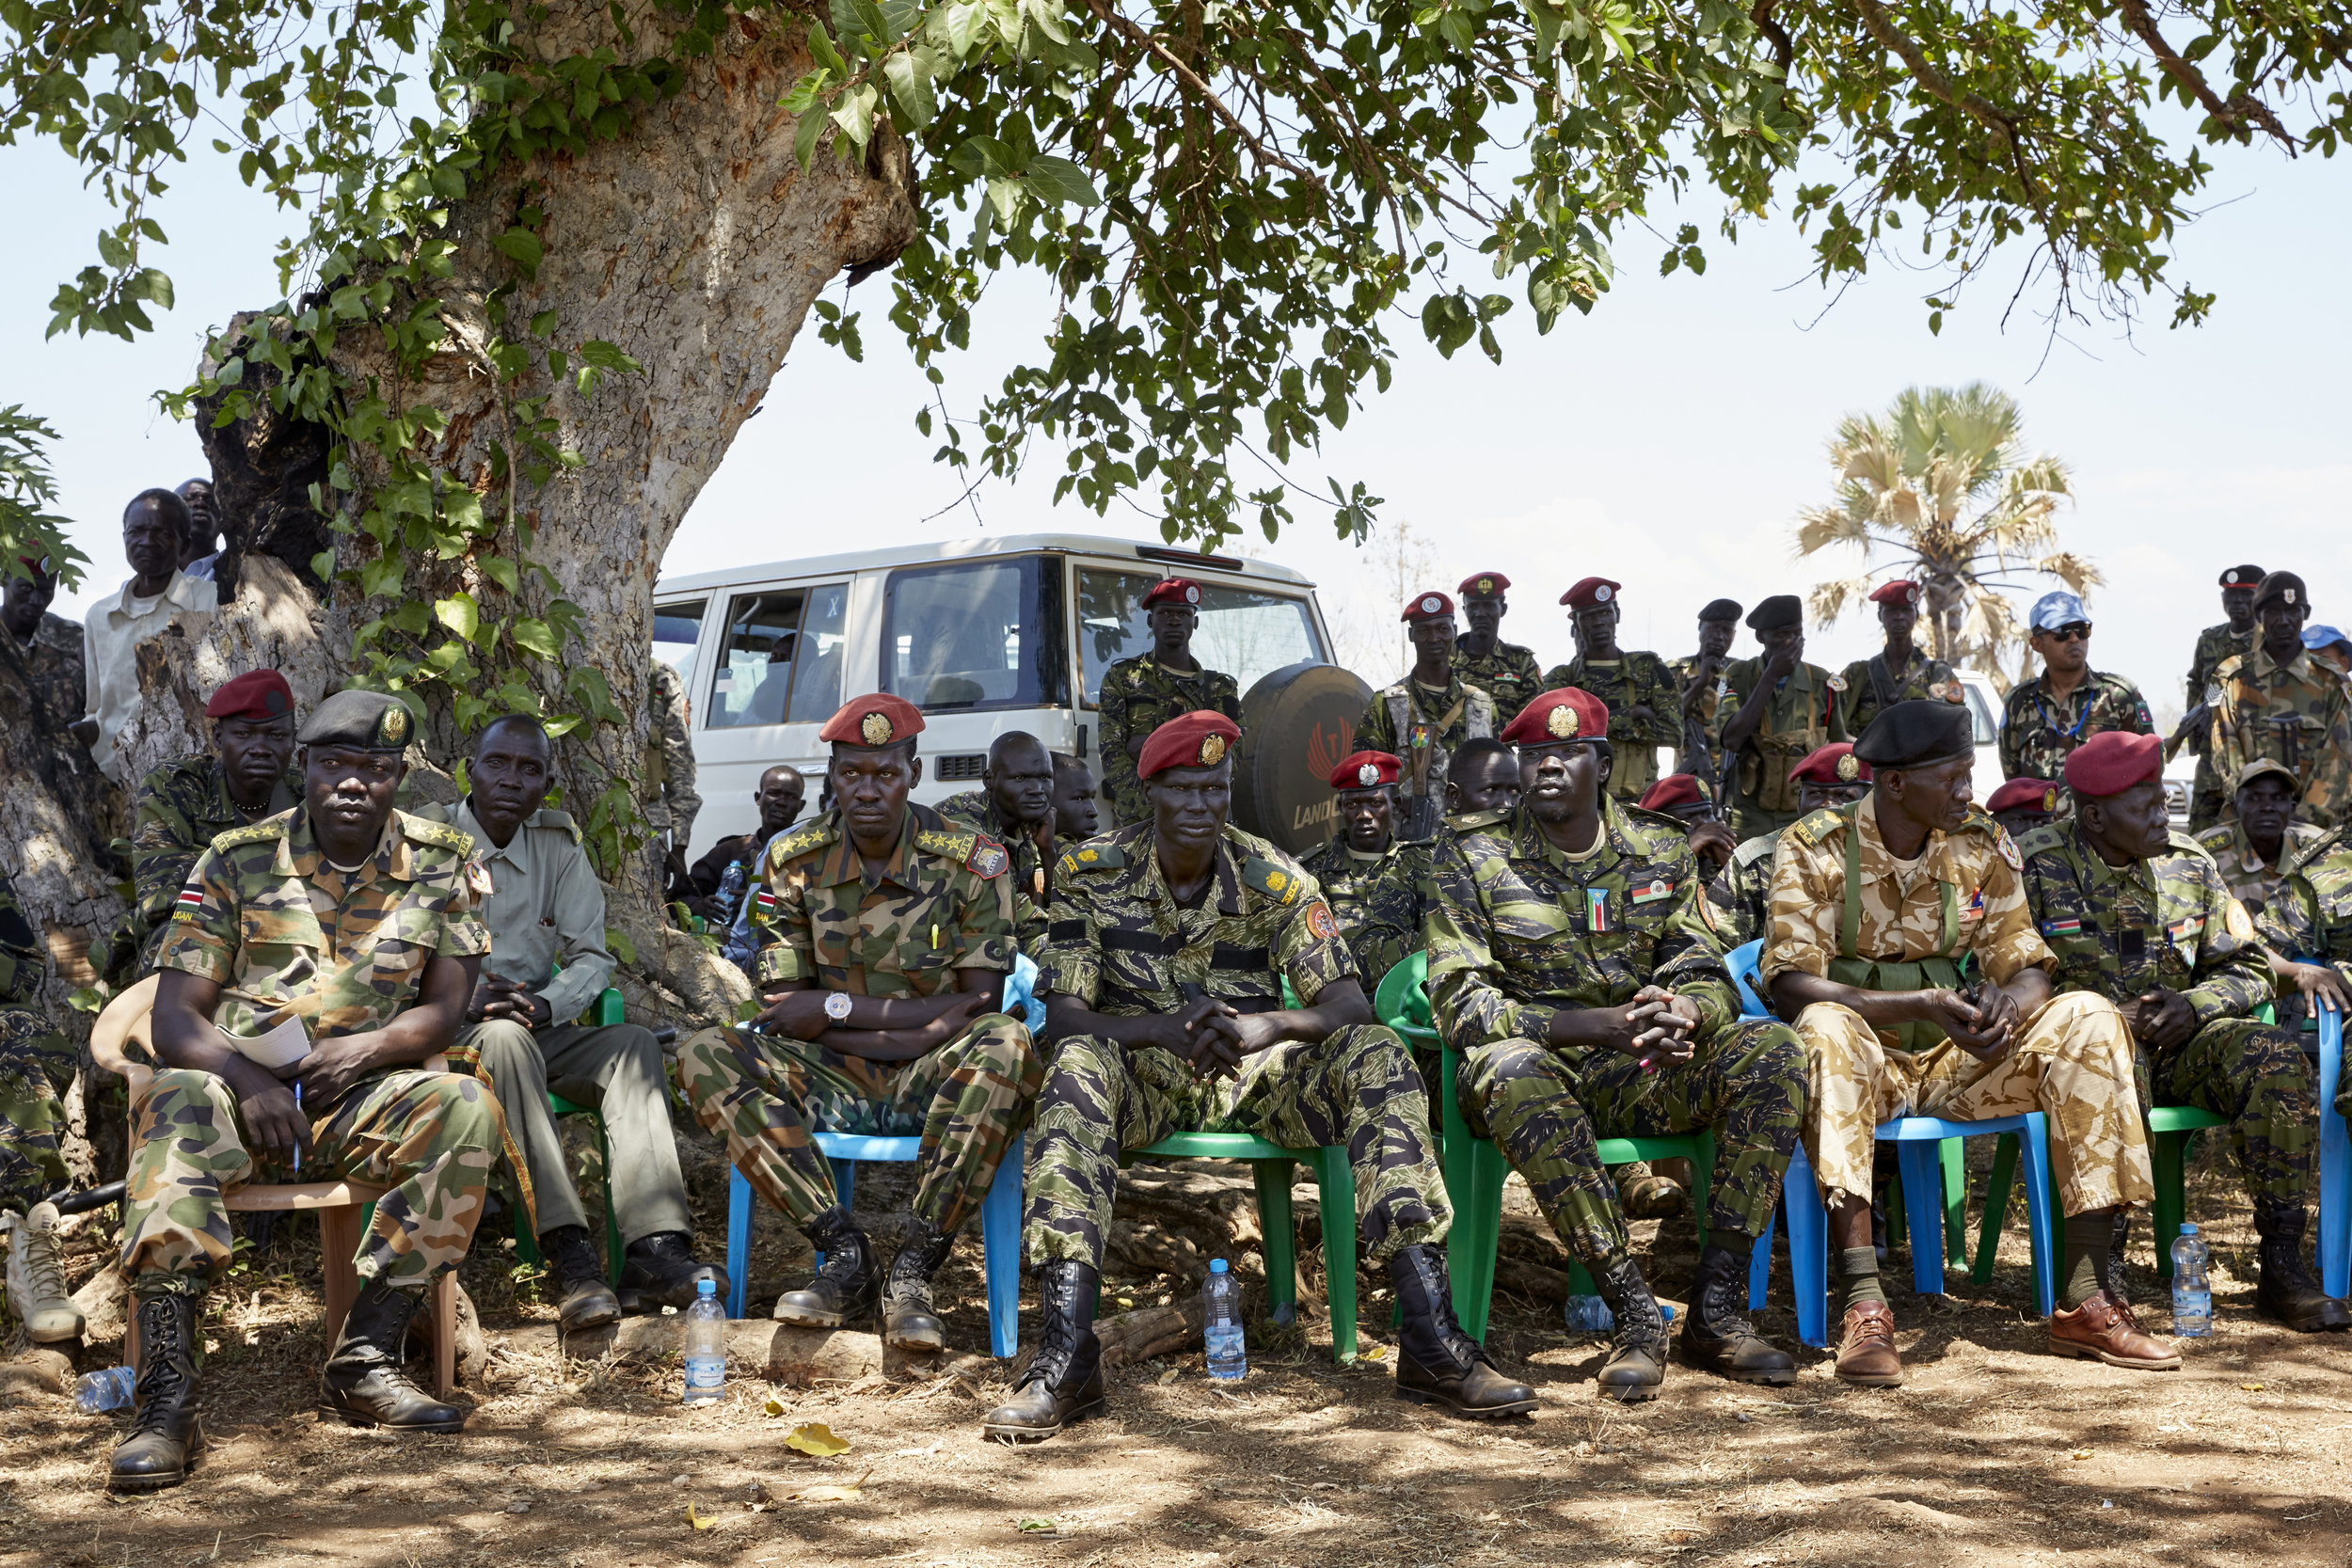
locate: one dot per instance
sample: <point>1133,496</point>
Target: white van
<point>984,635</point>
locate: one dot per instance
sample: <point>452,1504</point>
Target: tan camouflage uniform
<point>284,934</point>
<point>2299,713</point>
<point>37,1064</point>
<point>2073,1060</point>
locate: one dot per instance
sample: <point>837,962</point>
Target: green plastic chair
<point>606,1012</point>
<point>1273,1168</point>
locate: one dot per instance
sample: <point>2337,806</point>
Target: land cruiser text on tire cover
<point>1296,724</point>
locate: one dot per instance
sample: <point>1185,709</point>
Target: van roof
<point>1168,561</point>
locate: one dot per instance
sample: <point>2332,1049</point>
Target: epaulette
<point>547,817</point>
<point>1644,818</point>
<point>808,837</point>
<point>2216,837</point>
<point>2187,845</point>
<point>257,833</point>
<point>1979,820</point>
<point>456,840</point>
<point>1810,830</point>
<point>1751,851</point>
<point>1092,854</point>
<point>2040,840</point>
<point>1277,881</point>
<point>1478,821</point>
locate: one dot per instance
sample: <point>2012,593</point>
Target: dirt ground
<point>1992,1453</point>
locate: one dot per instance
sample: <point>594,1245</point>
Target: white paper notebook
<point>281,1047</point>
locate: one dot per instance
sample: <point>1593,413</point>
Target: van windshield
<point>1243,632</point>
<point>986,634</point>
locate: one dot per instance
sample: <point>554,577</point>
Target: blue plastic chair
<point>1809,1223</point>
<point>2335,1164</point>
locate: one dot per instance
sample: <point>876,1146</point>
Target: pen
<point>298,1160</point>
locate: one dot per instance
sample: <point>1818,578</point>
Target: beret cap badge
<point>1848,770</point>
<point>1561,721</point>
<point>1212,750</point>
<point>1368,774</point>
<point>1485,585</point>
<point>395,723</point>
<point>875,729</point>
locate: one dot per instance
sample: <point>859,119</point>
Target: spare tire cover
<point>1296,726</point>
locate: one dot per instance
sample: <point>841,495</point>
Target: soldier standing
<point>1699,679</point>
<point>2261,840</point>
<point>1422,717</point>
<point>50,645</point>
<point>1875,906</point>
<point>1140,694</point>
<point>352,925</point>
<point>1602,1009</point>
<point>2045,719</point>
<point>1783,710</point>
<point>885,936</point>
<point>2283,703</point>
<point>2216,646</point>
<point>1741,891</point>
<point>1899,672</point>
<point>1167,952</point>
<point>1014,806</point>
<point>36,1066</point>
<point>2138,914</point>
<point>1368,875</point>
<point>668,797</point>
<point>1504,671</point>
<point>1642,698</point>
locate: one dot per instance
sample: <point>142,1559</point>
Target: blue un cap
<point>2316,638</point>
<point>2054,610</point>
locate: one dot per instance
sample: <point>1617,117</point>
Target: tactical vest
<point>1418,743</point>
<point>1938,970</point>
<point>1769,756</point>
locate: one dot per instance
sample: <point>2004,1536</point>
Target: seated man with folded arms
<point>885,936</point>
<point>1572,966</point>
<point>1874,907</point>
<point>544,908</point>
<point>2140,915</point>
<point>352,924</point>
<point>1166,948</point>
<point>2306,929</point>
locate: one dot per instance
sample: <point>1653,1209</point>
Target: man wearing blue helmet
<point>2329,645</point>
<point>2047,716</point>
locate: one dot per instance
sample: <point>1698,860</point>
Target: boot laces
<point>160,1381</point>
<point>44,1262</point>
<point>1720,1307</point>
<point>1057,1339</point>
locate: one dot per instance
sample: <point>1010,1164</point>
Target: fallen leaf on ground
<point>1375,1352</point>
<point>772,1405</point>
<point>1167,1377</point>
<point>816,1437</point>
<point>1030,1526</point>
<point>2251,1387</point>
<point>827,1495</point>
<point>2079,1453</point>
<point>698,1523</point>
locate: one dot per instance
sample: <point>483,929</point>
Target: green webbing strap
<point>1937,970</point>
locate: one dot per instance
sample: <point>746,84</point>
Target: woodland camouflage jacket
<point>942,903</point>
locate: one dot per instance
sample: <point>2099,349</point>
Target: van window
<point>1988,729</point>
<point>676,629</point>
<point>781,661</point>
<point>1243,632</point>
<point>984,635</point>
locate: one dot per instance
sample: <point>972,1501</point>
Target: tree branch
<point>1784,48</point>
<point>1881,27</point>
<point>1184,73</point>
<point>2234,112</point>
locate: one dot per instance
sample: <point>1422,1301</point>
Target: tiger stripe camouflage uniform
<point>2299,713</point>
<point>1632,678</point>
<point>1962,895</point>
<point>1138,695</point>
<point>1742,892</point>
<point>1375,898</point>
<point>181,808</point>
<point>1119,943</point>
<point>1507,673</point>
<point>941,905</point>
<point>2040,730</point>
<point>2170,922</point>
<point>1519,930</point>
<point>1799,717</point>
<point>974,810</point>
<point>1871,688</point>
<point>2252,880</point>
<point>1422,727</point>
<point>36,1063</point>
<point>2208,791</point>
<point>2310,920</point>
<point>284,934</point>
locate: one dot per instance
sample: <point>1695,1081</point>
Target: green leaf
<point>522,247</point>
<point>460,614</point>
<point>1057,180</point>
<point>911,88</point>
<point>533,637</point>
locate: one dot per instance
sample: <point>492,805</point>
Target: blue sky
<point>1667,440</point>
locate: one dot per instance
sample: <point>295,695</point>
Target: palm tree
<point>1942,483</point>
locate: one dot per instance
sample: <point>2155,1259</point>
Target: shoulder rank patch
<point>260,833</point>
<point>1277,883</point>
<point>954,846</point>
<point>547,817</point>
<point>798,843</point>
<point>1810,831</point>
<point>2040,841</point>
<point>439,834</point>
<point>988,857</point>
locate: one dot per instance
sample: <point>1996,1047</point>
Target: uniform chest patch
<point>763,902</point>
<point>191,898</point>
<point>2183,929</point>
<point>2067,927</point>
<point>1597,916</point>
<point>1661,887</point>
<point>478,877</point>
<point>1973,908</point>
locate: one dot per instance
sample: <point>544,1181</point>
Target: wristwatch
<point>837,1005</point>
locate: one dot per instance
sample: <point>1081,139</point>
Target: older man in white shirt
<point>153,526</point>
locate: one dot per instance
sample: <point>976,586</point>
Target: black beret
<point>1781,609</point>
<point>1912,735</point>
<point>374,720</point>
<point>1721,609</point>
<point>2283,585</point>
<point>2241,576</point>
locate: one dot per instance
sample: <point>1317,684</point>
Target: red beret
<point>1590,592</point>
<point>1833,763</point>
<point>2112,762</point>
<point>1674,789</point>
<point>1199,739</point>
<point>1366,771</point>
<point>1183,591</point>
<point>1898,592</point>
<point>255,694</point>
<point>873,720</point>
<point>1567,714</point>
<point>1486,584</point>
<point>1427,604</point>
<point>2037,794</point>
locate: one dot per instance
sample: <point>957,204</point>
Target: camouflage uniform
<point>1509,675</point>
<point>1622,682</point>
<point>1871,687</point>
<point>1708,720</point>
<point>668,797</point>
<point>284,934</point>
<point>1140,695</point>
<point>36,1065</point>
<point>1843,909</point>
<point>1742,891</point>
<point>2170,922</point>
<point>2253,882</point>
<point>181,808</point>
<point>1119,943</point>
<point>2299,713</point>
<point>1519,931</point>
<point>974,810</point>
<point>1799,719</point>
<point>1375,898</point>
<point>2310,919</point>
<point>942,903</point>
<point>2039,731</point>
<point>1422,728</point>
<point>53,661</point>
<point>2216,646</point>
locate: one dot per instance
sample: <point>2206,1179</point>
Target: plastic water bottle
<point>1221,1294</point>
<point>731,886</point>
<point>106,1390</point>
<point>2192,1294</point>
<point>1590,1314</point>
<point>705,1344</point>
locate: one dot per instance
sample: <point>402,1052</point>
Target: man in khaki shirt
<point>543,907</point>
<point>1874,905</point>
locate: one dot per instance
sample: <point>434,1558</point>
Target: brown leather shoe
<point>2103,1326</point>
<point>1865,1347</point>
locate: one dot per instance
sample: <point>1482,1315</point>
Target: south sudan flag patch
<point>2061,928</point>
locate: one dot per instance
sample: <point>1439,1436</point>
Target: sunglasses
<point>2073,631</point>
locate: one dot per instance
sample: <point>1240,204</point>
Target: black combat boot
<point>583,1300</point>
<point>364,1383</point>
<point>661,1270</point>
<point>1637,1359</point>
<point>845,1285</point>
<point>2287,1291</point>
<point>161,1448</point>
<point>908,1319</point>
<point>1064,1382</point>
<point>2115,1283</point>
<point>1718,1336</point>
<point>1435,1362</point>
